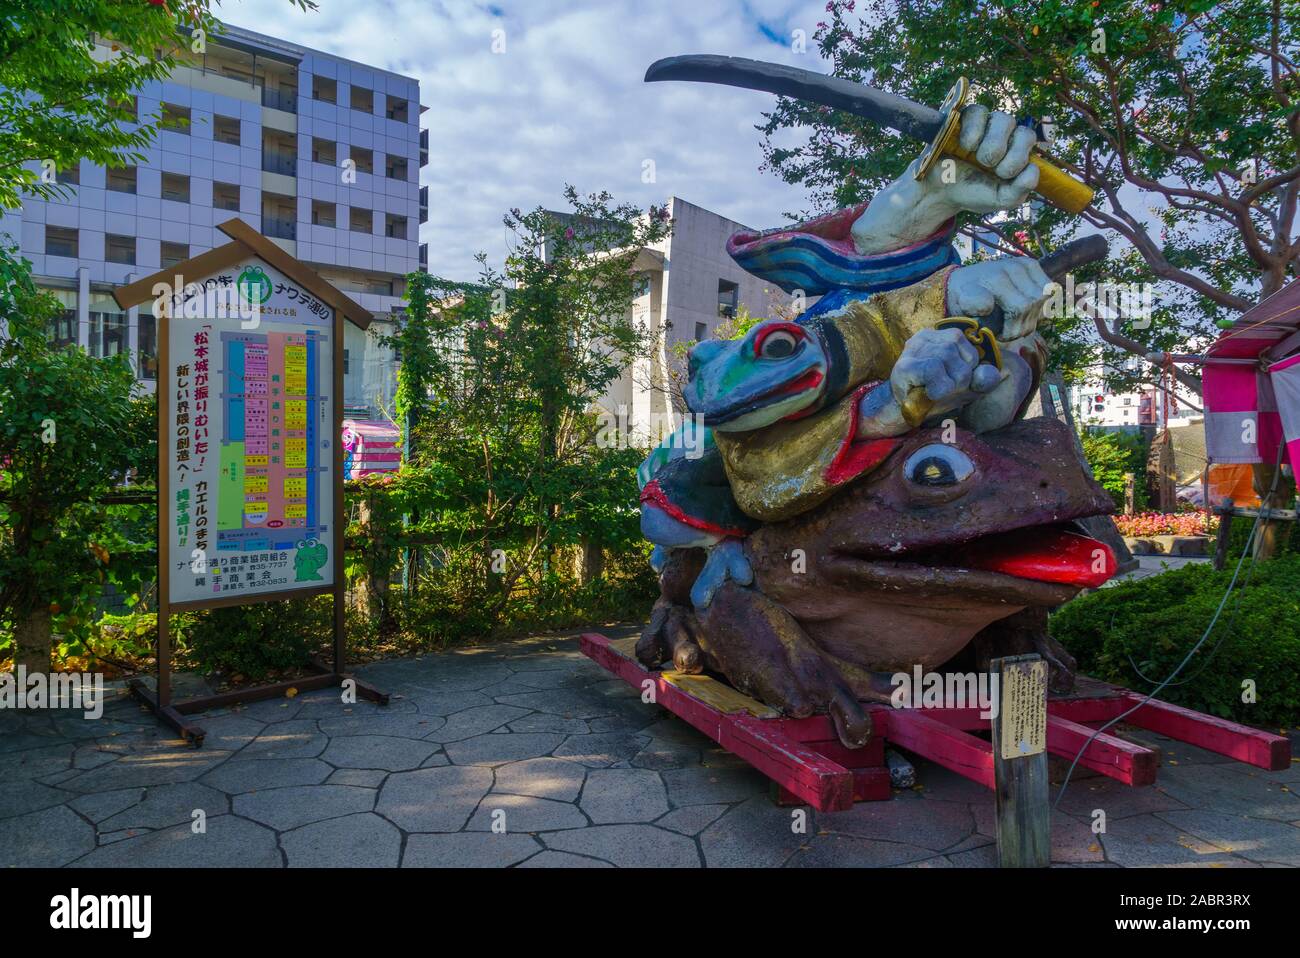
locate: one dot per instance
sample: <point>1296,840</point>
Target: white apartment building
<point>319,153</point>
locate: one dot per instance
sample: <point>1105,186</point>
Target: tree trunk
<point>590,561</point>
<point>33,642</point>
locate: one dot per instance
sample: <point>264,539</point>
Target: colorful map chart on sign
<point>269,450</point>
<point>251,432</point>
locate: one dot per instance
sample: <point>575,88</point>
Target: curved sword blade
<point>884,109</point>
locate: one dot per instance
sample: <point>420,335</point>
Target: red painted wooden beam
<point>952,748</point>
<point>1111,756</point>
<point>1245,744</point>
<point>812,778</point>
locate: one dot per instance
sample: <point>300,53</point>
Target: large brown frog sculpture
<point>855,494</point>
<point>949,548</point>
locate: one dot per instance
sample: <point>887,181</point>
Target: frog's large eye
<point>778,342</point>
<point>937,465</point>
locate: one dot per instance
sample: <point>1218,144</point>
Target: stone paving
<point>531,737</point>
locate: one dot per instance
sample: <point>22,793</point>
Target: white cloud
<point>565,103</point>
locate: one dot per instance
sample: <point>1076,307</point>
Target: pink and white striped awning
<point>370,446</point>
<point>1250,408</point>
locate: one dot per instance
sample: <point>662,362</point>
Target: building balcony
<point>424,204</point>
<point>286,164</point>
<point>424,147</point>
<point>279,227</point>
<point>280,100</point>
<point>424,257</point>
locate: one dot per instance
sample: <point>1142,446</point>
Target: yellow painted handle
<point>1054,184</point>
<point>916,407</point>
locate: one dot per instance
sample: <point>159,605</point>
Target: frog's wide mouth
<point>1035,565</point>
<point>807,381</point>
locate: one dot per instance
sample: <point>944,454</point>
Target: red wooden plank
<point>1088,710</point>
<point>872,785</point>
<point>869,785</point>
<point>1113,757</point>
<point>871,755</point>
<point>952,748</point>
<point>1245,744</point>
<point>814,779</point>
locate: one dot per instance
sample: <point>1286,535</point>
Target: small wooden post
<point>1130,493</point>
<point>1024,828</point>
<point>1224,511</point>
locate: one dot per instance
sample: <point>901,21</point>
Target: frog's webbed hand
<point>765,653</point>
<point>938,371</point>
<point>1015,283</point>
<point>726,560</point>
<point>908,210</point>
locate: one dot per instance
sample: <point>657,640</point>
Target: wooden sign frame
<point>247,243</point>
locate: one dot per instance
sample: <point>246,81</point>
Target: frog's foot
<point>765,653</point>
<point>1022,633</point>
<point>726,561</point>
<point>671,634</point>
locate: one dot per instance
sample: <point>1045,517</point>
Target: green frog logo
<point>254,285</point>
<point>309,560</point>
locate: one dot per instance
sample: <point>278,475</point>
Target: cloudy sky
<point>565,102</point>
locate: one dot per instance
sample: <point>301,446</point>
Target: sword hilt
<point>1054,184</point>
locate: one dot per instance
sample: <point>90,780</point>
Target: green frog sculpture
<point>866,498</point>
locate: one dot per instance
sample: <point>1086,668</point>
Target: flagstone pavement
<point>526,754</point>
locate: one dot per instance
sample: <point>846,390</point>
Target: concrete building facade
<point>688,288</point>
<point>319,153</point>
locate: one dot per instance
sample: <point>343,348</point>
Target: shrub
<point>1154,622</point>
<point>255,640</point>
<point>1111,455</point>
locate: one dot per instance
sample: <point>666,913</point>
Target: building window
<point>360,221</point>
<point>128,109</point>
<point>176,118</point>
<point>176,187</point>
<point>397,108</point>
<point>60,241</point>
<point>62,327</point>
<point>324,214</point>
<point>120,179</point>
<point>173,253</point>
<point>147,345</point>
<point>728,295</point>
<point>363,159</point>
<point>324,151</point>
<point>225,196</point>
<point>71,176</point>
<point>395,226</point>
<point>363,99</point>
<point>396,168</point>
<point>701,332</point>
<point>324,89</point>
<point>108,326</point>
<point>225,129</point>
<point>119,249</point>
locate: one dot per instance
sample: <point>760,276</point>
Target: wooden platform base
<point>808,765</point>
<point>174,713</point>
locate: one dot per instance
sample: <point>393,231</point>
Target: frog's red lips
<point>810,378</point>
<point>1042,554</point>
